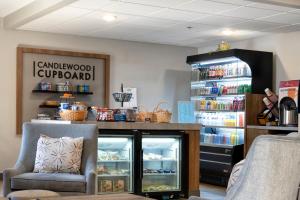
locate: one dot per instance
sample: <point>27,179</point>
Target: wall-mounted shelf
<point>61,92</point>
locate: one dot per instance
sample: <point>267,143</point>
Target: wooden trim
<point>193,161</point>
<point>19,91</point>
<point>20,66</point>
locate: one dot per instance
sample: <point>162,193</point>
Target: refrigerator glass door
<point>161,164</point>
<point>115,164</point>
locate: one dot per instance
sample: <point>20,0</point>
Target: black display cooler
<point>148,163</point>
<point>219,83</point>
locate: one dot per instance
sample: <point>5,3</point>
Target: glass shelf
<point>215,145</point>
<point>161,160</point>
<point>213,111</point>
<point>112,175</point>
<point>159,174</point>
<point>106,161</point>
<point>215,95</point>
<point>213,126</point>
<point>223,79</point>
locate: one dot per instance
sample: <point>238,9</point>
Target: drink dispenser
<point>288,103</point>
<point>288,112</point>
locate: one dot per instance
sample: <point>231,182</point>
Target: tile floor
<point>212,192</point>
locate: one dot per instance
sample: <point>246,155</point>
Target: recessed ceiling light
<point>229,32</point>
<point>109,18</point>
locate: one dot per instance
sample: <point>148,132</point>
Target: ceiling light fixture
<point>109,18</point>
<point>228,32</point>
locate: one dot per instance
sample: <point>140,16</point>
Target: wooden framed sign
<point>51,68</point>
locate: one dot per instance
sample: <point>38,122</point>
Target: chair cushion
<point>58,154</point>
<point>31,194</point>
<point>60,182</point>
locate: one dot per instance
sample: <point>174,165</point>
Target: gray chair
<point>21,177</point>
<point>271,170</point>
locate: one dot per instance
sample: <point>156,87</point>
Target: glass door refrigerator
<point>162,165</point>
<point>220,81</point>
<point>115,163</point>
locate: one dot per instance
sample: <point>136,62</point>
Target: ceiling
<point>194,23</point>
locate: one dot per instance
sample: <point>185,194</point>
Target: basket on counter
<point>160,115</point>
<point>73,115</point>
<point>143,115</point>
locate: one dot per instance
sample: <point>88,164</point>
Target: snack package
<point>119,185</point>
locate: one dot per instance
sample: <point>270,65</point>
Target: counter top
<point>144,125</point>
<point>279,128</point>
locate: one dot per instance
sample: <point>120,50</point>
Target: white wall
<point>158,71</point>
<point>286,49</point>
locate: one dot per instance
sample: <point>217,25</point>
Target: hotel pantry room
<point>149,99</point>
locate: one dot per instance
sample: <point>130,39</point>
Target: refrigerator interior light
<point>215,61</point>
<point>159,140</point>
<point>112,140</point>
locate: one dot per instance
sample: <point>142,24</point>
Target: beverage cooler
<point>219,82</point>
<point>142,162</point>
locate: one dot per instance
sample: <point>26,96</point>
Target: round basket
<point>160,115</point>
<point>73,115</point>
<point>144,115</point>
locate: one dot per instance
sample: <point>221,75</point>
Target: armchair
<point>271,170</point>
<point>21,176</point>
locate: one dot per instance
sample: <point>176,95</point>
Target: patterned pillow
<point>235,173</point>
<point>58,155</point>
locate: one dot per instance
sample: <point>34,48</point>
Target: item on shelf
<point>103,114</point>
<point>223,46</point>
<point>143,115</point>
<point>83,88</point>
<point>106,186</point>
<point>71,115</point>
<point>51,103</point>
<point>264,117</point>
<point>271,96</point>
<point>158,187</point>
<point>122,96</point>
<point>289,102</point>
<point>45,86</point>
<point>67,96</point>
<point>119,185</point>
<point>120,114</point>
<point>64,106</point>
<point>131,115</point>
<point>78,106</point>
<point>152,156</point>
<point>64,87</point>
<point>271,106</point>
<point>43,116</point>
<point>161,115</point>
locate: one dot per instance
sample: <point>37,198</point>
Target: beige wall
<point>286,49</point>
<point>158,71</point>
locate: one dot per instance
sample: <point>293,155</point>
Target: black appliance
<point>148,163</point>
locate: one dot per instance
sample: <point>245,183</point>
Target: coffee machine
<point>288,103</point>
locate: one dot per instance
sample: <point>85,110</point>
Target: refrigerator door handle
<point>142,164</point>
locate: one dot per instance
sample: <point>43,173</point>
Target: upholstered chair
<point>22,177</point>
<point>271,170</point>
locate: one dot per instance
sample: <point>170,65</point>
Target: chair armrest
<point>90,177</point>
<point>7,174</point>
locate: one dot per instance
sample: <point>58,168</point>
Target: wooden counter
<point>254,131</point>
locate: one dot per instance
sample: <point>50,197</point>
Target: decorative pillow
<point>235,173</point>
<point>58,155</point>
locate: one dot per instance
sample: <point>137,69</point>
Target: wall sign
<point>44,65</point>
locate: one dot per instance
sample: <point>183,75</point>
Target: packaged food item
<point>106,186</point>
<point>119,185</point>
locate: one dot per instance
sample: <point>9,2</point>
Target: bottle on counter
<point>270,106</point>
<point>271,95</point>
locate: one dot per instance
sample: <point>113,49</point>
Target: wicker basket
<point>160,115</point>
<point>73,115</point>
<point>144,115</point>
